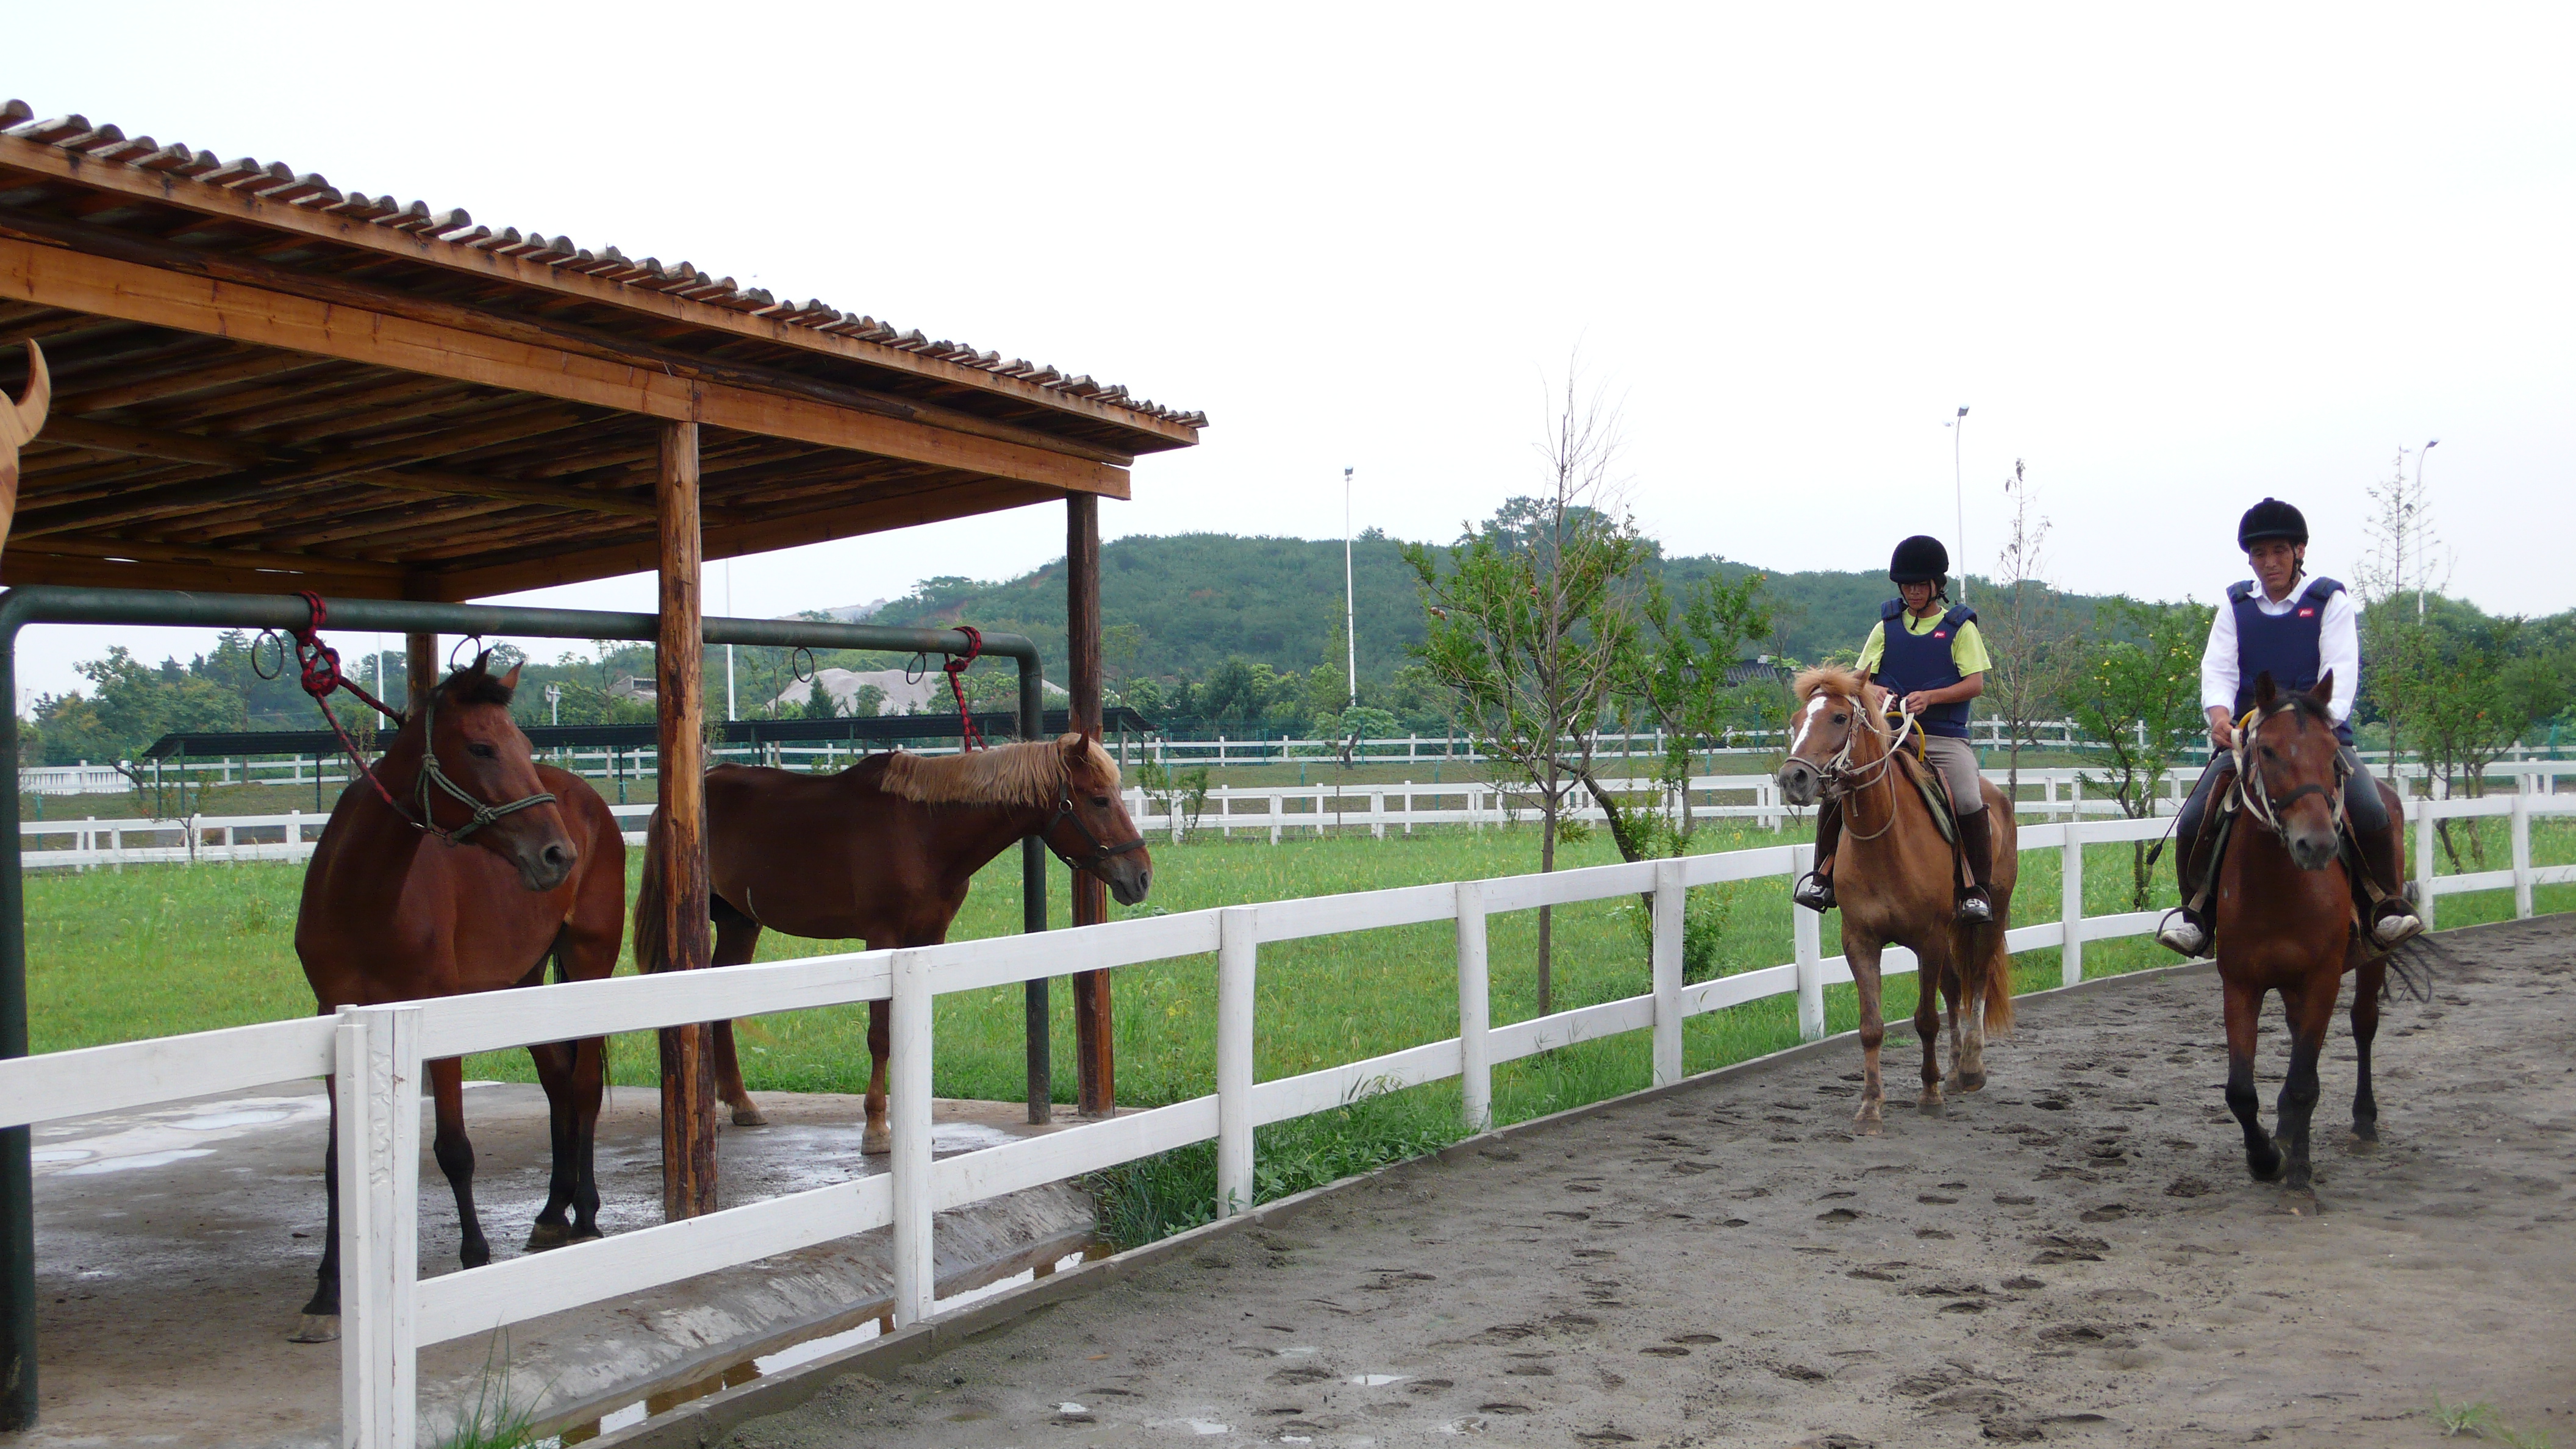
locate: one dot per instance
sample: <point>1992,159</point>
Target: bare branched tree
<point>2405,564</point>
<point>2029,633</point>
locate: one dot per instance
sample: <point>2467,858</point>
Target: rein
<point>320,666</point>
<point>1841,784</point>
<point>2253,793</point>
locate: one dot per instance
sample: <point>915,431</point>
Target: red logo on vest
<point>1940,633</point>
<point>2307,613</point>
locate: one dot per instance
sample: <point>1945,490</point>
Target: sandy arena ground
<point>2074,1255</point>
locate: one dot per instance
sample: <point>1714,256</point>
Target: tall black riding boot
<point>1976,842</point>
<point>1815,889</point>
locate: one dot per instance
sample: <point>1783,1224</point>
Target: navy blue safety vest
<point>1922,661</point>
<point>2287,646</point>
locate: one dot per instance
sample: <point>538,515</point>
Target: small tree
<point>1679,676</point>
<point>2137,693</point>
<point>1530,618</point>
<point>2027,631</point>
<point>2471,693</point>
<point>2398,570</point>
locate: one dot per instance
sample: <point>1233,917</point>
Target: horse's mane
<point>1835,679</point>
<point>2306,707</point>
<point>1024,774</point>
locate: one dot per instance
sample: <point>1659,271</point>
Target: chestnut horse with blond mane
<point>1897,877</point>
<point>884,852</point>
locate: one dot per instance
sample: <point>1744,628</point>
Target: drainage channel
<point>795,1353</point>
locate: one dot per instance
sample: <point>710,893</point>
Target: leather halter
<point>1841,783</point>
<point>433,776</point>
<point>1100,854</point>
<point>2260,802</point>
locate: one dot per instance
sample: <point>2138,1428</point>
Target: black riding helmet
<point>2271,519</point>
<point>1920,559</point>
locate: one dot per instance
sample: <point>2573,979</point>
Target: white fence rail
<point>389,1313</point>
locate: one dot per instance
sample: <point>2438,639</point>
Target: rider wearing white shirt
<point>2299,630</point>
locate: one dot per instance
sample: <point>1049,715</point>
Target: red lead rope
<point>321,675</point>
<point>968,737</point>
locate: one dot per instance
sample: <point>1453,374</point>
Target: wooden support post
<point>1092,1017</point>
<point>688,1059</point>
<point>420,666</point>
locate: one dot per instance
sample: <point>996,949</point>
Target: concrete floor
<point>176,1246</point>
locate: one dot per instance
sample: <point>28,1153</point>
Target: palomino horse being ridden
<point>2286,922</point>
<point>1897,878</point>
<point>493,864</point>
<point>884,852</point>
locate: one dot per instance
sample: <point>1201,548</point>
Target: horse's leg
<point>456,1157</point>
<point>322,1315</point>
<point>1873,1030</point>
<point>2308,1015</point>
<point>2244,1009</point>
<point>554,1073</point>
<point>737,938</point>
<point>2369,976</point>
<point>878,1139</point>
<point>1950,994</point>
<point>589,1082</point>
<point>1974,982</point>
<point>1932,979</point>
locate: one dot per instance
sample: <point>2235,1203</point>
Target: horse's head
<point>19,423</point>
<point>481,751</point>
<point>1091,829</point>
<point>2294,772</point>
<point>1835,708</point>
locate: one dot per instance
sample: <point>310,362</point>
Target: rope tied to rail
<point>319,665</point>
<point>968,737</point>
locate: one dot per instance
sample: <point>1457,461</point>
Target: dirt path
<point>2074,1255</point>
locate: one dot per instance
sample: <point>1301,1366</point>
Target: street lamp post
<point>1959,496</point>
<point>2429,446</point>
<point>1350,608</point>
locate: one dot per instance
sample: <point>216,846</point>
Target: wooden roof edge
<point>69,148</point>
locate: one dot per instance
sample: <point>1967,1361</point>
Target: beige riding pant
<point>1956,762</point>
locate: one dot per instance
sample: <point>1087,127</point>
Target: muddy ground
<point>2074,1255</point>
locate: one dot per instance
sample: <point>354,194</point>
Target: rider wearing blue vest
<point>1926,652</point>
<point>2297,629</point>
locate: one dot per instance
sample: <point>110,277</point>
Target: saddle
<point>1935,791</point>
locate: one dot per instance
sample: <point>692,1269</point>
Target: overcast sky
<point>2173,258</point>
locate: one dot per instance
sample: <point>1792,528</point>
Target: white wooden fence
<point>388,1312</point>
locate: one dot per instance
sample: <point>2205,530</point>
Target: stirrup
<point>2180,933</point>
<point>1815,892</point>
<point>1974,910</point>
<point>2396,928</point>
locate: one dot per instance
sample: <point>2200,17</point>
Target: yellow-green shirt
<point>1967,647</point>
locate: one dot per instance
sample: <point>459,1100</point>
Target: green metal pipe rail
<point>49,604</point>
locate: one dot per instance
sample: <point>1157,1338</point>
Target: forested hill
<point>1179,606</point>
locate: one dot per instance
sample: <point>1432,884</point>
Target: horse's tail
<point>652,936</point>
<point>1999,983</point>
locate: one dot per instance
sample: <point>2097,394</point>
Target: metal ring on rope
<point>803,674</point>
<point>276,641</point>
<point>476,640</point>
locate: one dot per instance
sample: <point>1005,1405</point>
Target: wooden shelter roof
<point>261,381</point>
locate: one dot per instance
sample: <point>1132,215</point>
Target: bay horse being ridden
<point>492,864</point>
<point>884,852</point>
<point>2288,921</point>
<point>1898,882</point>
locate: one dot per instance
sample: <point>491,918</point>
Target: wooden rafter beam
<point>163,298</point>
<point>239,559</point>
<point>216,201</point>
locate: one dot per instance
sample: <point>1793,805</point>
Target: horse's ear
<point>2265,691</point>
<point>1073,744</point>
<point>2324,692</point>
<point>510,681</point>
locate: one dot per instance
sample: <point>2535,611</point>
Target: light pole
<point>1350,609</point>
<point>1959,496</point>
<point>2429,446</point>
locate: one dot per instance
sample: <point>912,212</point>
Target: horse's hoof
<point>1867,1127</point>
<point>747,1115</point>
<point>1968,1081</point>
<point>876,1142</point>
<point>2365,1134</point>
<point>475,1253</point>
<point>316,1328</point>
<point>1929,1104</point>
<point>548,1235</point>
<point>2264,1169</point>
<point>2300,1202</point>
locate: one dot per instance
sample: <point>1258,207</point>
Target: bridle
<point>1841,782</point>
<point>431,776</point>
<point>1100,854</point>
<point>2260,802</point>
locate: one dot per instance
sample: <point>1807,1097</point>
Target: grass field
<point>152,951</point>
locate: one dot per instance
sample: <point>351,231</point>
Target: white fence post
<point>1475,1012</point>
<point>2424,832</point>
<point>1377,813</point>
<point>377,1051</point>
<point>2522,848</point>
<point>1806,931</point>
<point>2070,907</point>
<point>1237,955</point>
<point>1670,896</point>
<point>909,1089</point>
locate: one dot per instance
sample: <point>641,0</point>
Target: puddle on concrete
<point>803,1352</point>
<point>213,1120</point>
<point>140,1159</point>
